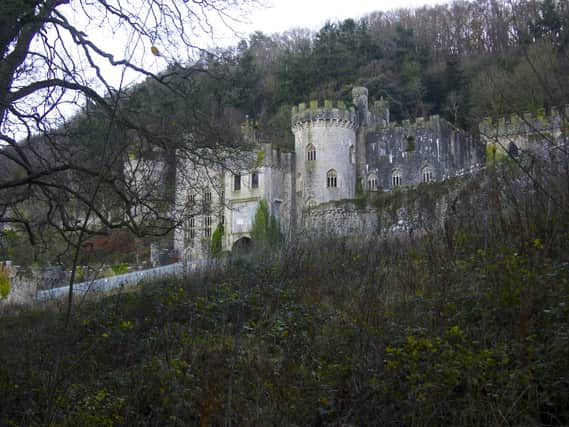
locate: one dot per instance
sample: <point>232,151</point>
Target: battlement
<point>433,121</point>
<point>517,124</point>
<point>329,111</point>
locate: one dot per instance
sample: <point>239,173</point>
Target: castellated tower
<point>325,146</point>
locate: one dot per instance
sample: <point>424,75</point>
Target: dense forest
<point>463,60</point>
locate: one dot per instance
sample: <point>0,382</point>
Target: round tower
<point>325,146</point>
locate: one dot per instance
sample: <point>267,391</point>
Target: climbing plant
<point>216,240</point>
<point>4,284</point>
<point>265,227</point>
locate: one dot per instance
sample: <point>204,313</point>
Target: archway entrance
<point>242,246</point>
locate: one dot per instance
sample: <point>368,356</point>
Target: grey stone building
<point>339,152</point>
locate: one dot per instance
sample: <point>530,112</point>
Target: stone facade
<point>341,153</point>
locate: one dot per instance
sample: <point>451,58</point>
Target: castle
<point>340,152</point>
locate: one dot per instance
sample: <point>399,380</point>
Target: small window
<point>254,180</point>
<point>352,155</point>
<point>191,228</point>
<point>372,182</point>
<point>207,197</point>
<point>237,182</point>
<point>310,153</point>
<point>222,219</point>
<point>396,178</point>
<point>427,174</point>
<point>331,179</point>
<point>207,226</point>
<point>222,196</point>
<point>192,199</point>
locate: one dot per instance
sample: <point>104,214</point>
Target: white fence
<point>108,283</point>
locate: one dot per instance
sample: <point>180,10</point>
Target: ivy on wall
<point>265,229</point>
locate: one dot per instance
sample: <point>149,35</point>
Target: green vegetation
<point>121,268</point>
<point>466,326</point>
<point>265,230</point>
<point>216,241</point>
<point>4,284</point>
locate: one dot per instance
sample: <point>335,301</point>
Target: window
<point>396,178</point>
<point>352,155</point>
<point>222,195</point>
<point>372,182</point>
<point>427,174</point>
<point>192,228</point>
<point>222,219</point>
<point>237,182</point>
<point>192,199</point>
<point>331,179</point>
<point>207,226</point>
<point>310,153</point>
<point>254,180</point>
<point>207,197</point>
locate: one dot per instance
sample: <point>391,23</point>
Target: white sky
<point>286,14</point>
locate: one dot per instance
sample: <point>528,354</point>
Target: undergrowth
<point>467,326</point>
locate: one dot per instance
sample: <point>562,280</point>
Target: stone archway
<point>244,245</point>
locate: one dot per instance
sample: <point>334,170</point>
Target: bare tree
<point>53,64</point>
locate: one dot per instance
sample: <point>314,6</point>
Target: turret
<point>325,144</point>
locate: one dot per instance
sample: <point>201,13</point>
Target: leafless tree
<point>59,57</point>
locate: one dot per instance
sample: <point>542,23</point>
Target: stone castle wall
<point>411,148</point>
<point>331,132</point>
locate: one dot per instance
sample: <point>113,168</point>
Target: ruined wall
<point>413,148</point>
<point>406,211</point>
<point>536,133</point>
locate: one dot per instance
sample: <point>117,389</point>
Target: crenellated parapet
<point>433,122</point>
<point>327,114</point>
<point>527,123</point>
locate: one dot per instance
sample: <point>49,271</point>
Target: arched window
<point>352,155</point>
<point>396,178</point>
<point>310,152</point>
<point>331,179</point>
<point>254,180</point>
<point>427,174</point>
<point>372,182</point>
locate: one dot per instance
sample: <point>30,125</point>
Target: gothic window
<point>352,155</point>
<point>222,219</point>
<point>237,182</point>
<point>207,197</point>
<point>254,180</point>
<point>191,199</point>
<point>192,228</point>
<point>427,174</point>
<point>222,195</point>
<point>310,152</point>
<point>207,226</point>
<point>372,182</point>
<point>513,150</point>
<point>331,179</point>
<point>396,178</point>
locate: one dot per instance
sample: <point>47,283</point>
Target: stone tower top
<point>335,113</point>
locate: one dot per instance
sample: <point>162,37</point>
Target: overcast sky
<point>285,14</point>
